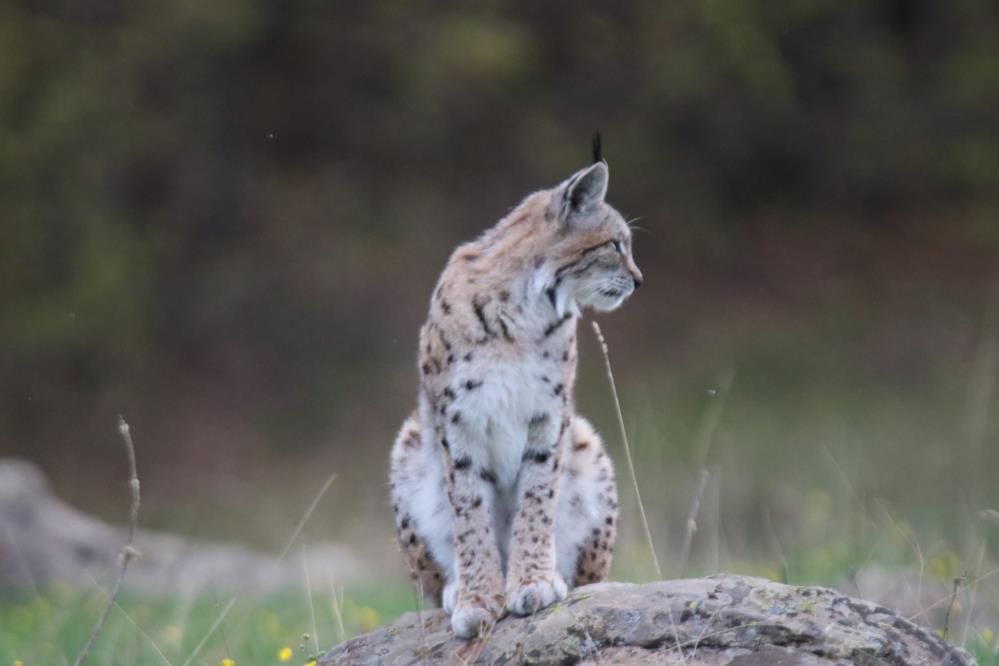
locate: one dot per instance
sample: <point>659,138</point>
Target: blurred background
<point>224,220</point>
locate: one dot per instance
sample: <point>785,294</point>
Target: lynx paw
<point>531,597</point>
<point>469,621</point>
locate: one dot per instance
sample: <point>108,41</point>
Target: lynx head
<point>589,263</point>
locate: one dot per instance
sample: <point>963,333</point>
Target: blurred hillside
<point>224,219</point>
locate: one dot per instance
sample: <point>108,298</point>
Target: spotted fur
<point>503,496</point>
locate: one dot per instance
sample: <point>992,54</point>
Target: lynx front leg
<point>478,576</point>
<point>532,581</point>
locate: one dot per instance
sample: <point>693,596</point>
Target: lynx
<point>503,496</point>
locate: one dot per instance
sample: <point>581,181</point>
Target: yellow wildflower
<point>18,662</point>
<point>311,662</point>
<point>368,618</point>
<point>285,653</point>
<point>228,662</point>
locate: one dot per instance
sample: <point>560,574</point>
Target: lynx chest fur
<point>503,496</point>
<point>495,390</point>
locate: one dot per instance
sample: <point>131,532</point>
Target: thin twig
<point>688,538</point>
<point>627,448</point>
<point>128,553</point>
<point>156,648</point>
<point>950,606</point>
<point>978,579</point>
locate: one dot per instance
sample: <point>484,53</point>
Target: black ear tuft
<point>598,150</point>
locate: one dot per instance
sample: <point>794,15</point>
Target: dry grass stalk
<point>969,618</point>
<point>975,581</point>
<point>706,437</point>
<point>950,607</point>
<point>701,634</point>
<point>128,552</point>
<point>211,630</point>
<point>312,605</point>
<point>418,594</point>
<point>627,448</point>
<point>337,605</point>
<point>149,639</point>
<point>284,552</point>
<point>470,653</point>
<point>696,641</point>
<point>778,546</point>
<point>305,517</point>
<point>688,538</point>
<point>676,636</point>
<point>914,543</point>
<point>981,388</point>
<point>909,538</point>
<point>709,426</point>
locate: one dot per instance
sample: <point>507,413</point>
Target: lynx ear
<point>584,191</point>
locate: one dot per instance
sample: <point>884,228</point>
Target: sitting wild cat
<point>503,495</point>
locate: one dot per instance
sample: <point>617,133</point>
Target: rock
<point>42,540</point>
<point>717,620</point>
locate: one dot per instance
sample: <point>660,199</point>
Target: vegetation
<point>224,219</point>
<point>248,202</point>
<point>47,628</point>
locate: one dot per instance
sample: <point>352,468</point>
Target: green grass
<point>50,629</point>
<point>984,652</point>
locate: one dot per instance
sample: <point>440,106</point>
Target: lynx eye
<point>618,246</point>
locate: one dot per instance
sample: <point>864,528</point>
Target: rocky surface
<point>718,620</point>
<point>42,540</point>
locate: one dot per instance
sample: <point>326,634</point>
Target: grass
<point>816,477</point>
<point>50,628</point>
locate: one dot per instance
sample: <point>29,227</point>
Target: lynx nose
<point>636,275</point>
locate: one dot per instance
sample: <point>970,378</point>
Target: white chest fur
<point>496,414</point>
